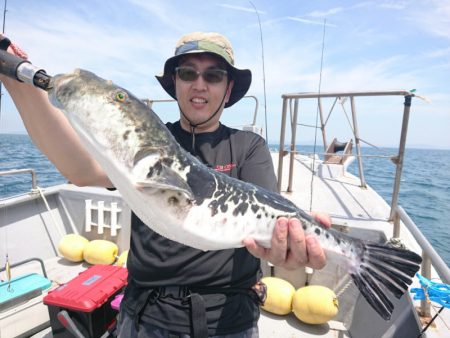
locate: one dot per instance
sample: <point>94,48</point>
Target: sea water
<point>424,190</point>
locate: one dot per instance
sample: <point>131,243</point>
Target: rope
<point>5,227</point>
<point>317,117</point>
<point>55,224</point>
<point>396,242</point>
<point>344,288</point>
<point>5,218</point>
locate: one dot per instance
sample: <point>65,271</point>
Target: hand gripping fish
<point>180,198</point>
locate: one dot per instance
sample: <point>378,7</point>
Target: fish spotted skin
<point>180,198</point>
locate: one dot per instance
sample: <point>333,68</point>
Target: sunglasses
<point>211,75</point>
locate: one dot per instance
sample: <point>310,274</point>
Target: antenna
<point>7,265</point>
<point>3,32</point>
<point>263,69</point>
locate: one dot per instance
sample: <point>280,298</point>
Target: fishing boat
<point>34,222</point>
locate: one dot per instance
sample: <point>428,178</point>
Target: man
<point>175,290</point>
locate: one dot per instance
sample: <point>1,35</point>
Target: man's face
<point>199,99</point>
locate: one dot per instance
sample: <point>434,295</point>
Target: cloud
<point>375,74</point>
<point>310,22</point>
<point>240,8</point>
<point>370,46</point>
<point>130,57</point>
<point>394,4</point>
<point>433,17</point>
<point>157,10</point>
<point>321,14</point>
<point>361,5</point>
<point>437,53</point>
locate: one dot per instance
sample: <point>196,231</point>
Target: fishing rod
<point>20,69</point>
<point>263,70</point>
<point>7,264</point>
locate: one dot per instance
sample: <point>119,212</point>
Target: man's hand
<point>290,248</point>
<point>14,49</point>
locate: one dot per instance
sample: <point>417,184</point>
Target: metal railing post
<point>23,171</point>
<point>293,149</point>
<point>401,154</point>
<point>357,144</point>
<point>281,150</point>
<point>255,114</point>
<point>425,306</point>
<point>322,125</point>
<point>396,230</point>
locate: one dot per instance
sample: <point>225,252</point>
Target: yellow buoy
<point>315,304</point>
<point>100,251</point>
<point>71,247</point>
<point>122,260</point>
<point>279,295</point>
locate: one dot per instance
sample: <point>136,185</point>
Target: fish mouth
<point>57,81</point>
<point>60,81</point>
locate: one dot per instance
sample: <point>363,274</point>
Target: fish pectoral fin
<point>167,181</point>
<point>154,174</point>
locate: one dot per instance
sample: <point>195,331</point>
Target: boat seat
<point>57,269</point>
<point>22,289</point>
<point>334,159</point>
<point>338,152</point>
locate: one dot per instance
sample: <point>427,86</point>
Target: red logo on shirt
<point>226,167</point>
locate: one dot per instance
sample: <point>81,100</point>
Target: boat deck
<point>361,212</point>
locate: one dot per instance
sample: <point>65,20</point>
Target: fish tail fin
<point>383,266</point>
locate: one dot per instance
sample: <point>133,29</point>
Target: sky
<point>308,46</point>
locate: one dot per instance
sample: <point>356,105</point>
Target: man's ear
<point>229,89</point>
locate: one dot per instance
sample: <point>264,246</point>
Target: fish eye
<point>120,96</point>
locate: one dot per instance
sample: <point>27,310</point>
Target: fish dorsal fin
<point>152,171</point>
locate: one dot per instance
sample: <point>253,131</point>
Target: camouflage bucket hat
<point>212,43</point>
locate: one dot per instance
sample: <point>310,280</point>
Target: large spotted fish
<point>180,198</point>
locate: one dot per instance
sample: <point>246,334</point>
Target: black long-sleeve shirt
<point>156,261</point>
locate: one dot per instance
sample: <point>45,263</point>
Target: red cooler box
<point>86,300</point>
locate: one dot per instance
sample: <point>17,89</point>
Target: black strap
<point>198,316</point>
<point>252,293</point>
<point>199,325</point>
<point>147,297</point>
<point>198,309</point>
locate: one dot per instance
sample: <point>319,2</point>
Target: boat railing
<point>310,154</point>
<point>23,171</point>
<point>397,214</point>
<point>291,106</point>
<point>150,102</point>
<point>429,255</point>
